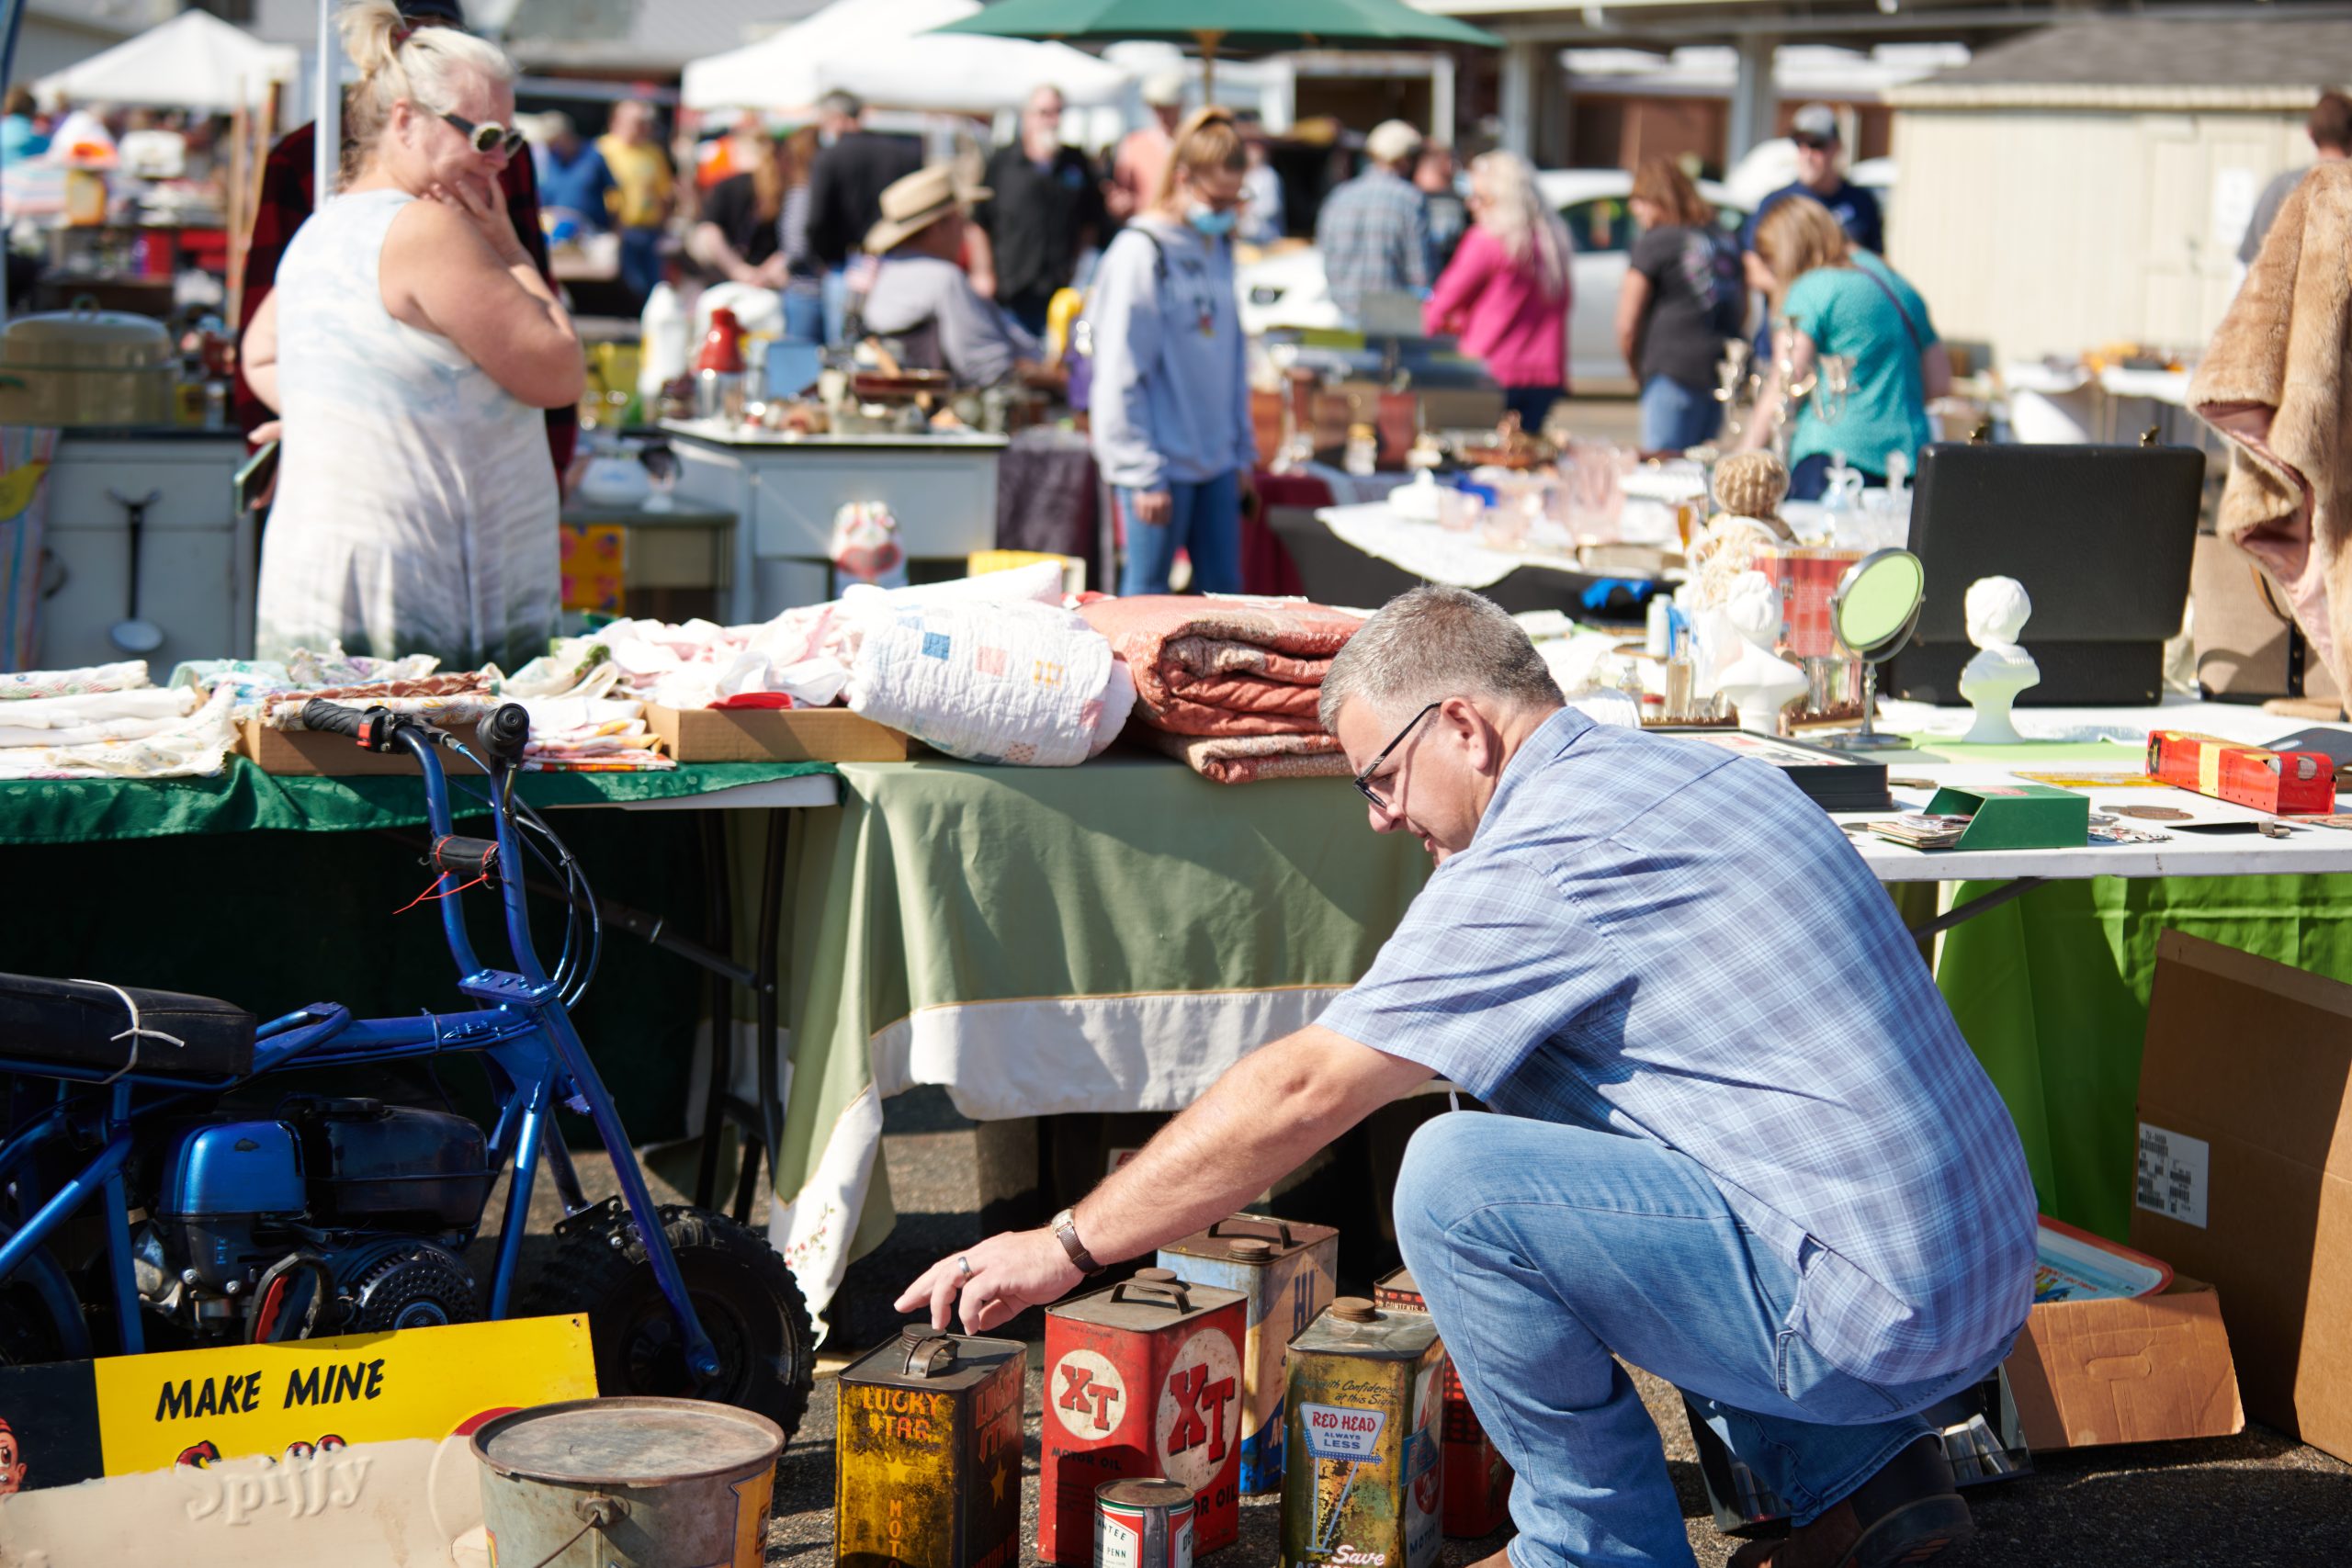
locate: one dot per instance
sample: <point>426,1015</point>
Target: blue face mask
<point>1210,222</point>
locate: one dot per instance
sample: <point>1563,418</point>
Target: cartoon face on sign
<point>1200,1410</point>
<point>12,1461</point>
<point>1087,1395</point>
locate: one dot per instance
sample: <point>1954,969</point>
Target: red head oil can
<point>1478,1482</point>
<point>1286,1272</point>
<point>1143,1380</point>
<point>928,1464</point>
<point>1143,1524</point>
<point>1364,1470</point>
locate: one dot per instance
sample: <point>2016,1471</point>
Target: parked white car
<point>1287,287</point>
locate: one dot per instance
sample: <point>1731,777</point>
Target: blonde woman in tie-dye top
<point>408,349</point>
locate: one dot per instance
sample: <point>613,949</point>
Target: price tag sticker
<point>2176,1172</point>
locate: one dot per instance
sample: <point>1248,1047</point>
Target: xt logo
<point>1087,1394</point>
<point>1196,1397</point>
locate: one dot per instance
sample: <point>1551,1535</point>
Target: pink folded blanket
<point>1224,667</point>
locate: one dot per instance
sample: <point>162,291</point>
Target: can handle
<point>927,1353</point>
<point>1277,1231</point>
<point>1169,1293</point>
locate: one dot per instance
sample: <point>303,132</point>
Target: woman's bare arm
<point>257,353</point>
<point>454,266</point>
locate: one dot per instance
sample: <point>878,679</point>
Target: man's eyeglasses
<point>488,137</point>
<point>1363,778</point>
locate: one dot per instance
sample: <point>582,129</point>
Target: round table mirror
<point>1873,611</point>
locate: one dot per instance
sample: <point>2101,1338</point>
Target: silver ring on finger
<point>964,1266</point>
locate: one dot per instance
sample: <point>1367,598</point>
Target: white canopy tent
<point>194,61</point>
<point>879,51</point>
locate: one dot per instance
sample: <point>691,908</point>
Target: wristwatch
<point>1065,1228</point>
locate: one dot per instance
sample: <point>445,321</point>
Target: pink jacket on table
<point>1501,314</point>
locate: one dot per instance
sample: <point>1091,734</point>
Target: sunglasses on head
<point>488,137</point>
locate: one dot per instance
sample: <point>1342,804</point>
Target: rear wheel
<point>27,1337</point>
<point>747,1301</point>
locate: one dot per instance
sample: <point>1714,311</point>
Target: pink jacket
<point>1501,315</point>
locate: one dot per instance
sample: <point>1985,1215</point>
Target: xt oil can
<point>1142,1379</point>
<point>1286,1273</point>
<point>1364,1471</point>
<point>1477,1481</point>
<point>929,1469</point>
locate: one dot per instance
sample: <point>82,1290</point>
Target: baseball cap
<point>448,13</point>
<point>1391,141</point>
<point>1814,122</point>
<point>1164,89</point>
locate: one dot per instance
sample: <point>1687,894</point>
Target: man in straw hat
<point>920,294</point>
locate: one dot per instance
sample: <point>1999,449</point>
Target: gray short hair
<point>1431,643</point>
<point>842,103</point>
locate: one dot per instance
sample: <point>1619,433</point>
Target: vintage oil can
<point>1142,1379</point>
<point>1143,1524</point>
<point>1477,1481</point>
<point>1364,1469</point>
<point>929,1467</point>
<point>1287,1273</point>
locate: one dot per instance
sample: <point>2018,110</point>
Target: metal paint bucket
<point>627,1483</point>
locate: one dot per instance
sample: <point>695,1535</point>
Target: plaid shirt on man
<point>1655,937</point>
<point>1374,232</point>
<point>286,196</point>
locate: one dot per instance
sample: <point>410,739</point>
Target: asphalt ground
<point>2258,1498</point>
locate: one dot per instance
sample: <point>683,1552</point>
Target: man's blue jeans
<point>1544,1249</point>
<point>1675,418</point>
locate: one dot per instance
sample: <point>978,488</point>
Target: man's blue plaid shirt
<point>1373,233</point>
<point>1653,937</point>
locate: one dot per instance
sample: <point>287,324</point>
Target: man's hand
<point>1008,1272</point>
<point>1155,507</point>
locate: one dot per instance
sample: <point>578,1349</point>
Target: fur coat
<point>2274,381</point>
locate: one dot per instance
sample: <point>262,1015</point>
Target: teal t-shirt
<point>1849,310</point>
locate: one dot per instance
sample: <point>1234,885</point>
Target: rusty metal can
<point>1286,1272</point>
<point>1365,1468</point>
<point>1142,1379</point>
<point>928,1469</point>
<point>627,1483</point>
<point>1477,1480</point>
<point>1143,1524</point>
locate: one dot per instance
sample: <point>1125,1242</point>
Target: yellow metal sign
<point>198,1406</point>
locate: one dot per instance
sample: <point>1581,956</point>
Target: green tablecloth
<point>2052,989</point>
<point>1046,940</point>
<point>244,799</point>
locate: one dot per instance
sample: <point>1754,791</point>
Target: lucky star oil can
<point>1364,1466</point>
<point>929,1441</point>
<point>1142,1379</point>
<point>1477,1481</point>
<point>1286,1272</point>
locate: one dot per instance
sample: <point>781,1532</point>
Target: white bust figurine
<point>1997,608</point>
<point>1758,680</point>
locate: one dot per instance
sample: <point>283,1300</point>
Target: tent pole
<point>12,21</point>
<point>326,157</point>
<point>1208,42</point>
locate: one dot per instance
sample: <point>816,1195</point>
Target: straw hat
<point>914,203</point>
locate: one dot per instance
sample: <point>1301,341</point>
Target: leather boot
<point>1906,1513</point>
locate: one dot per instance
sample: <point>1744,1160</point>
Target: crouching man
<point>1741,1143</point>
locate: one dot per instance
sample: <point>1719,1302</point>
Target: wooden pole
<point>1208,42</point>
<point>239,217</point>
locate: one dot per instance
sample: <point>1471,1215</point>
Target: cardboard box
<point>776,735</point>
<point>2245,1169</point>
<point>2288,783</point>
<point>321,755</point>
<point>2091,1372</point>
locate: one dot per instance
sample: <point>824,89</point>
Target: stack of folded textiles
<point>1229,686</point>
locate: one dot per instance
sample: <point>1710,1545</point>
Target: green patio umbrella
<point>1235,26</point>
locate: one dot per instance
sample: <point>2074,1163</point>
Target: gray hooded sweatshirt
<point>1170,401</point>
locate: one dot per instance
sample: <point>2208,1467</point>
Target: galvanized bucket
<point>627,1483</point>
